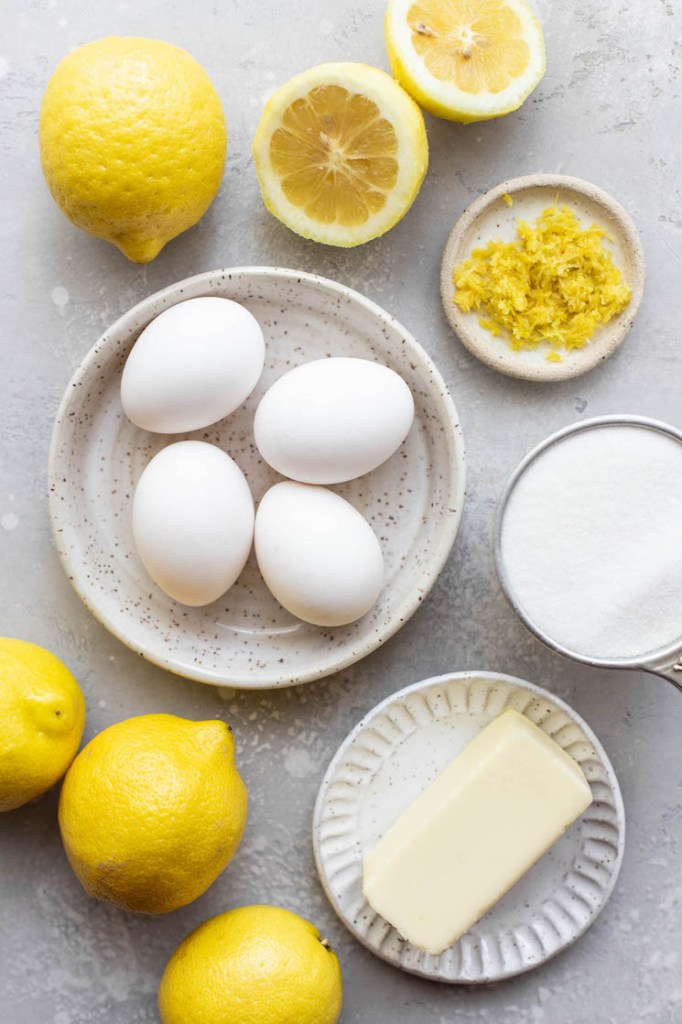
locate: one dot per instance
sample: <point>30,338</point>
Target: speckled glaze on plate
<point>245,639</point>
<point>491,217</point>
<point>394,753</point>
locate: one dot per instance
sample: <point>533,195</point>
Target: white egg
<point>318,556</point>
<point>192,365</point>
<point>333,419</point>
<point>193,521</point>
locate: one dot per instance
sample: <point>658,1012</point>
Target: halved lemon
<point>340,153</point>
<point>465,60</point>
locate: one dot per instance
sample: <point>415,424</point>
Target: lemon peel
<point>152,810</point>
<point>252,965</point>
<point>132,142</point>
<point>555,284</point>
<point>42,715</point>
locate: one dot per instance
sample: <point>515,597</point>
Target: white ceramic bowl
<point>394,753</point>
<point>491,217</point>
<point>245,639</point>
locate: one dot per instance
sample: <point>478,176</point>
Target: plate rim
<point>151,306</point>
<point>399,695</point>
<point>591,355</point>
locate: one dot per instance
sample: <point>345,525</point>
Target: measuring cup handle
<point>671,671</point>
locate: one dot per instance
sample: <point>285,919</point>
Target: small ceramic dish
<point>394,753</point>
<point>492,217</point>
<point>245,639</point>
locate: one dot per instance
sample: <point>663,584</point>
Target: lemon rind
<point>119,196</point>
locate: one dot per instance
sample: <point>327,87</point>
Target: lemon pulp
<point>336,156</point>
<point>476,46</point>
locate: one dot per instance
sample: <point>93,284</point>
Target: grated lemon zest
<point>556,284</point>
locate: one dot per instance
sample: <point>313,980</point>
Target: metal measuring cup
<point>666,662</point>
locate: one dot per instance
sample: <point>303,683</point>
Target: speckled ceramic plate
<point>245,639</point>
<point>392,755</point>
<point>492,217</point>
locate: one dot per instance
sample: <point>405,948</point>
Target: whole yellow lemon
<point>132,142</point>
<point>152,810</point>
<point>42,714</point>
<point>252,965</point>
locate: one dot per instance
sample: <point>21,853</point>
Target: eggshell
<point>332,420</point>
<point>192,365</point>
<point>318,556</point>
<point>193,521</point>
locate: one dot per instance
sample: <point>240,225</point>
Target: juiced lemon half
<point>465,60</point>
<point>340,153</point>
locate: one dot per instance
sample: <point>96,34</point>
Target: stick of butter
<point>473,832</point>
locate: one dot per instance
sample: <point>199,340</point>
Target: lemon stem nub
<point>327,945</point>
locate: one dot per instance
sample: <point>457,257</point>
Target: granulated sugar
<point>592,542</point>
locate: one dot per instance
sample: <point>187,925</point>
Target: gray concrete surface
<point>608,110</point>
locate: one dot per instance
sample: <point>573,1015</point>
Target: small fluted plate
<point>394,753</point>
